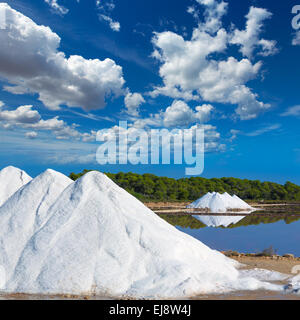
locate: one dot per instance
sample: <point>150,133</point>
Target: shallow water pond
<point>247,234</point>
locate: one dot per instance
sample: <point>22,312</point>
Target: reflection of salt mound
<point>25,212</point>
<point>221,203</point>
<point>98,238</point>
<point>11,179</point>
<point>218,221</point>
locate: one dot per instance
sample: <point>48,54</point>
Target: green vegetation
<point>269,252</point>
<point>148,187</point>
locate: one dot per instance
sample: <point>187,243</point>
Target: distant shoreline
<point>268,209</point>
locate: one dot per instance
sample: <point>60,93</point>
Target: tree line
<point>149,187</point>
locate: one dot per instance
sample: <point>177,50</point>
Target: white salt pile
<point>218,221</point>
<point>24,213</point>
<point>221,203</point>
<point>11,179</point>
<point>96,238</point>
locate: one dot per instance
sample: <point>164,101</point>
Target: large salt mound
<point>218,221</point>
<point>221,203</point>
<point>11,179</point>
<point>25,212</point>
<point>100,239</point>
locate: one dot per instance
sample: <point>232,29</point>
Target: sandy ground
<point>19,296</point>
<point>282,265</point>
<point>250,295</point>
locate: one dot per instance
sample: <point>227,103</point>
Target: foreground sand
<point>250,295</point>
<point>280,264</point>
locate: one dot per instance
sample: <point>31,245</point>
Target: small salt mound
<point>218,221</point>
<point>25,212</point>
<point>221,203</point>
<point>100,239</point>
<point>11,179</point>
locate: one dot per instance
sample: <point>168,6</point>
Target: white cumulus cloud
<point>133,102</point>
<point>249,39</point>
<point>26,118</point>
<point>31,62</point>
<point>179,114</point>
<point>214,12</point>
<point>21,115</point>
<point>196,69</point>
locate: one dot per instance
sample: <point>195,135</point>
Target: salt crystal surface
<point>24,213</point>
<point>11,179</point>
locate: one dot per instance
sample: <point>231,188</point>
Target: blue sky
<point>69,68</point>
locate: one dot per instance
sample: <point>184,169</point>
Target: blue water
<point>285,238</point>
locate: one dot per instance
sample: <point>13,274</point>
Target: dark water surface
<point>246,234</point>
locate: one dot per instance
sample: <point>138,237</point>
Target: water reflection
<point>219,221</point>
<point>228,222</point>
